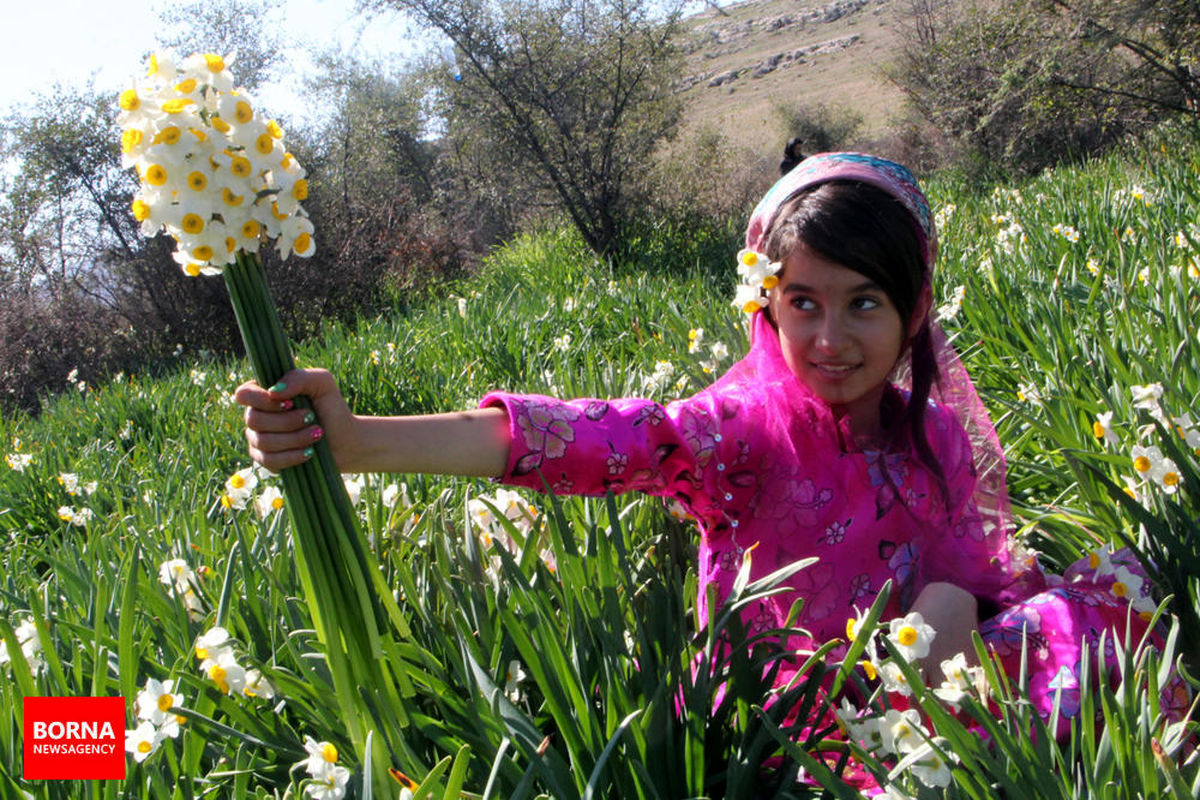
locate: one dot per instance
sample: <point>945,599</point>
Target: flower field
<point>545,647</point>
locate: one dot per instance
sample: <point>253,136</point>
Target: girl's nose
<point>831,334</point>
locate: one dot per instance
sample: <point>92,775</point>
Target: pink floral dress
<point>758,461</point>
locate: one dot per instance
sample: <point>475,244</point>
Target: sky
<point>70,41</point>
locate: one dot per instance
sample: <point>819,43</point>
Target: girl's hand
<point>281,435</point>
<point>954,613</point>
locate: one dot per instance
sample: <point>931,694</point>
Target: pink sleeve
<point>591,447</point>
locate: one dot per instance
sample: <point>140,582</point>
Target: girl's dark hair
<point>871,232</point>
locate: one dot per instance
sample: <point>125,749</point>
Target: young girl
<point>806,447</point>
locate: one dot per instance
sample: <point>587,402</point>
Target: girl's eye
<point>865,303</point>
<point>804,304</point>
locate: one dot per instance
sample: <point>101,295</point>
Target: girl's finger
<point>278,444</point>
<point>282,460</point>
<point>278,421</point>
<point>252,395</point>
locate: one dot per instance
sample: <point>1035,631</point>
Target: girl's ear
<point>921,312</point>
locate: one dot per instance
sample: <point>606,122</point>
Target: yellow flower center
<point>750,307</point>
<point>286,161</point>
<point>1171,479</point>
<point>168,135</point>
<point>197,182</point>
<point>240,166</point>
<point>274,129</point>
<point>907,636</point>
<point>152,66</point>
<point>852,629</point>
<point>1120,589</point>
<point>1093,560</point>
<point>250,229</point>
<point>869,668</point>
<point>192,223</point>
<point>230,198</point>
<point>141,210</point>
<point>202,253</point>
<point>277,503</point>
<point>1132,494</point>
<point>230,244</point>
<point>217,673</point>
<point>264,144</point>
<point>770,282</point>
<point>144,747</point>
<point>180,719</point>
<point>130,139</point>
<point>186,87</point>
<point>1097,430</point>
<point>242,112</point>
<point>214,62</point>
<point>275,212</point>
<point>300,189</point>
<point>220,124</point>
<point>200,135</point>
<point>165,701</point>
<point>155,175</point>
<point>329,752</point>
<point>750,258</point>
<point>1141,464</point>
<point>129,100</point>
<point>194,271</point>
<point>237,481</point>
<point>176,105</point>
<point>201,653</point>
<point>303,243</point>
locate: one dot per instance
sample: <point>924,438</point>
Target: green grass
<point>1054,331</point>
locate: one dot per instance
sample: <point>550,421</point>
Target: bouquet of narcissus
<point>216,176</point>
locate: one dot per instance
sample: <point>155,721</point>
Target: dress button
<point>720,467</point>
<point>717,437</point>
<point>728,497</point>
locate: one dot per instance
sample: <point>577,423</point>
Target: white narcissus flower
<point>239,488</point>
<point>270,501</point>
<point>30,644</point>
<point>142,741</point>
<point>177,574</point>
<point>512,681</point>
<point>226,673</point>
<point>1102,428</point>
<point>257,685</point>
<point>211,645</point>
<point>892,678</point>
<point>911,635</point>
<point>155,702</point>
<point>321,756</point>
<point>330,785</point>
<point>354,487</point>
<point>901,731</point>
<point>214,172</point>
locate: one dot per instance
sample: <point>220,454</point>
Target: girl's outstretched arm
<point>279,435</point>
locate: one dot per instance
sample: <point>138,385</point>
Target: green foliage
<point>596,603</point>
<point>573,94</point>
<point>1029,84</point>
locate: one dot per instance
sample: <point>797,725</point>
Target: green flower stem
<point>334,566</point>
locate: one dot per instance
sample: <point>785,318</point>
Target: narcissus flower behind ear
<point>215,174</point>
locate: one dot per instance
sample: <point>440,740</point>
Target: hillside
<point>750,57</point>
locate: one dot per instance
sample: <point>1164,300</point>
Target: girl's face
<point>840,334</point>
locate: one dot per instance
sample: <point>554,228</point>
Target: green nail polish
<point>310,418</point>
<point>309,452</point>
<point>279,387</point>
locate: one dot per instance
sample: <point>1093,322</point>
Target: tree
<point>1031,82</point>
<point>572,93</point>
